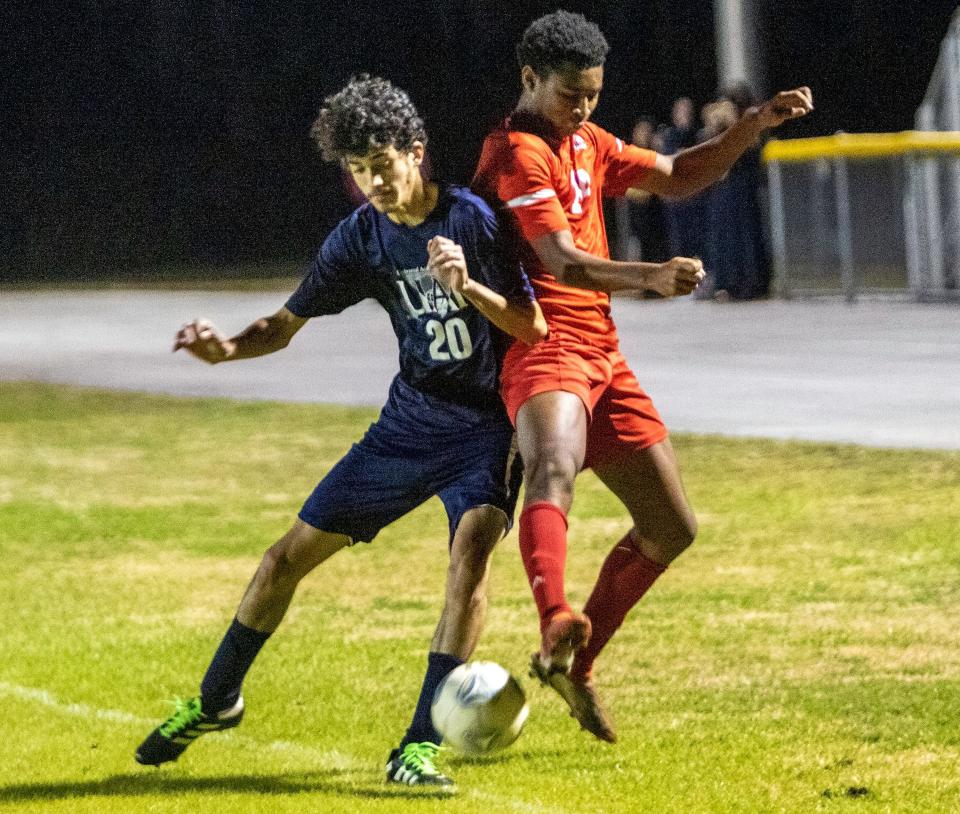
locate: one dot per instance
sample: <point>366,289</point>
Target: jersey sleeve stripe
<point>531,198</point>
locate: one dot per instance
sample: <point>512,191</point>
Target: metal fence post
<point>844,231</point>
<point>952,97</point>
<point>933,218</point>
<point>778,234</point>
<point>913,230</point>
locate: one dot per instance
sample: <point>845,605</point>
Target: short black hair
<point>369,112</point>
<point>561,39</point>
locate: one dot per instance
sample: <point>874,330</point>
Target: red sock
<point>543,547</point>
<point>625,577</point>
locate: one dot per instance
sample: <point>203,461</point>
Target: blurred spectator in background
<point>686,220</point>
<point>717,117</point>
<point>647,226</point>
<point>645,134</point>
<point>735,253</point>
<point>723,225</point>
<point>682,130</point>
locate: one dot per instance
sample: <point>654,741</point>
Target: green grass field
<point>801,657</point>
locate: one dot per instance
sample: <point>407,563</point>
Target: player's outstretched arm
<point>694,169</point>
<point>575,267</point>
<point>447,265</point>
<point>266,335</point>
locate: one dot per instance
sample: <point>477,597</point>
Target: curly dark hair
<point>369,112</point>
<point>561,39</point>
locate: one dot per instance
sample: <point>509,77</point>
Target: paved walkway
<point>874,373</point>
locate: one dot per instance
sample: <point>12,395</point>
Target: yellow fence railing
<point>861,146</point>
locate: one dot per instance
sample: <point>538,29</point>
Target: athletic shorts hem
<point>328,527</point>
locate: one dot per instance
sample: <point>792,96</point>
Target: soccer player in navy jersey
<point>428,253</point>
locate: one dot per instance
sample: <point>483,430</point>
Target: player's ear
<point>529,78</point>
<point>418,150</point>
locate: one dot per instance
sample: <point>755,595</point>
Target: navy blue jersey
<point>448,349</point>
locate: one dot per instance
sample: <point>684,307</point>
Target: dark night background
<point>144,134</point>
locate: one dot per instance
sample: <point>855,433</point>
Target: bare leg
<point>284,564</point>
<point>649,485</point>
<point>465,607</point>
<point>552,437</point>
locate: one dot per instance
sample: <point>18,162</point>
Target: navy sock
<point>220,687</point>
<point>421,728</point>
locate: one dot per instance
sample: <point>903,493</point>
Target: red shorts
<point>621,415</point>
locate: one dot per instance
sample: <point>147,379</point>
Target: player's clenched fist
<point>679,276</point>
<point>786,105</point>
<point>202,340</point>
<point>447,264</point>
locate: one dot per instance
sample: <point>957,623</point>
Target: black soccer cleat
<point>188,722</point>
<point>580,695</point>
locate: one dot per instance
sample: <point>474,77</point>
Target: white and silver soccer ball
<point>479,707</point>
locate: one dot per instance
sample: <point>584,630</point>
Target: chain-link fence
<point>933,194</point>
<point>863,214</point>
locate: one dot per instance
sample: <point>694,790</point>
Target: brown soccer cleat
<point>581,697</point>
<point>565,633</point>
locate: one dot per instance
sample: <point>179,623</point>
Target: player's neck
<point>527,117</point>
<point>422,203</point>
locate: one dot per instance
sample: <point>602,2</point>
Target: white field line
<point>335,759</point>
<point>48,699</point>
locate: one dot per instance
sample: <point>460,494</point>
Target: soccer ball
<point>479,707</point>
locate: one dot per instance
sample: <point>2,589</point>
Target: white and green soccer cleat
<point>414,767</point>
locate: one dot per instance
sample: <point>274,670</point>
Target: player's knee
<point>688,530</point>
<point>276,568</point>
<point>470,567</point>
<point>488,524</point>
<point>477,533</point>
<point>550,475</point>
<point>668,539</point>
<point>684,532</point>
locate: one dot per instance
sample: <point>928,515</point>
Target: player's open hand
<point>679,276</point>
<point>786,105</point>
<point>447,264</point>
<point>202,340</point>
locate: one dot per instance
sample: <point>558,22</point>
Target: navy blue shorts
<point>419,447</point>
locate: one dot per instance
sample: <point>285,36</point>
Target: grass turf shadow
<point>342,782</point>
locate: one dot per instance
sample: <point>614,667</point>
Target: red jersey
<point>551,189</point>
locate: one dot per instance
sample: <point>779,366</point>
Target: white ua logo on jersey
<point>416,284</point>
<point>580,183</point>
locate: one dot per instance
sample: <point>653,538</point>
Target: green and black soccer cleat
<point>414,767</point>
<point>188,722</point>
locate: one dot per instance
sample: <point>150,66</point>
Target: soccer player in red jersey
<point>573,399</point>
